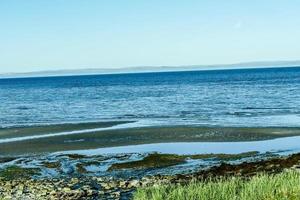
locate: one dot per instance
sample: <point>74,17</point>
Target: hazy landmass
<point>91,71</point>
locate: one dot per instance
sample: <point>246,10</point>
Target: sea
<point>262,97</point>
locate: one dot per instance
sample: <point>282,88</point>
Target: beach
<point>109,136</point>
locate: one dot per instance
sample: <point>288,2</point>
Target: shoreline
<point>84,187</point>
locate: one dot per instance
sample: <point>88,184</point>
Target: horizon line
<point>149,69</point>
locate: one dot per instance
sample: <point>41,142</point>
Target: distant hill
<point>141,69</point>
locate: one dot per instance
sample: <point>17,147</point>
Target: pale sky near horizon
<point>38,35</point>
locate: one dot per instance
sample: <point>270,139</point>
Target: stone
<point>89,192</point>
<point>66,189</point>
<point>133,183</point>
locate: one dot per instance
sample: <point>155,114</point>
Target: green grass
<point>283,186</point>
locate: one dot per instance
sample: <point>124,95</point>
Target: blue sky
<point>69,34</point>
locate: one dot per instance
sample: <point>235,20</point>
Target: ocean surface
<point>247,98</point>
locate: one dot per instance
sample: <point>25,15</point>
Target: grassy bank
<point>285,185</point>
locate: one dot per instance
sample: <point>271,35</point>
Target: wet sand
<point>145,135</point>
<point>46,129</point>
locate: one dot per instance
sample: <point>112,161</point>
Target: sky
<point>38,35</point>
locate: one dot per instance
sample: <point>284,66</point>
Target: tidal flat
<point>13,132</point>
<point>120,137</point>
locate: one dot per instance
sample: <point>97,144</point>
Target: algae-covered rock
<point>16,172</point>
<point>223,156</point>
<point>165,160</point>
<point>76,156</point>
<point>52,165</point>
<point>151,161</point>
<point>81,168</point>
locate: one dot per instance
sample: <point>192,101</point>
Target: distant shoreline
<point>156,69</point>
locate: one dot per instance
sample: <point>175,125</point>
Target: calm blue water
<point>249,97</point>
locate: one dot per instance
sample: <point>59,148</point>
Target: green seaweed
<point>76,156</point>
<point>80,167</point>
<point>223,156</point>
<point>15,172</point>
<point>88,163</point>
<point>151,161</point>
<point>165,160</point>
<point>52,165</point>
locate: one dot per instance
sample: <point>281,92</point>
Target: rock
<point>8,197</point>
<point>90,193</point>
<point>123,184</point>
<point>99,179</point>
<point>66,189</point>
<point>133,183</point>
<point>116,194</point>
<point>100,192</point>
<point>106,186</point>
<point>74,180</point>
<point>19,192</point>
